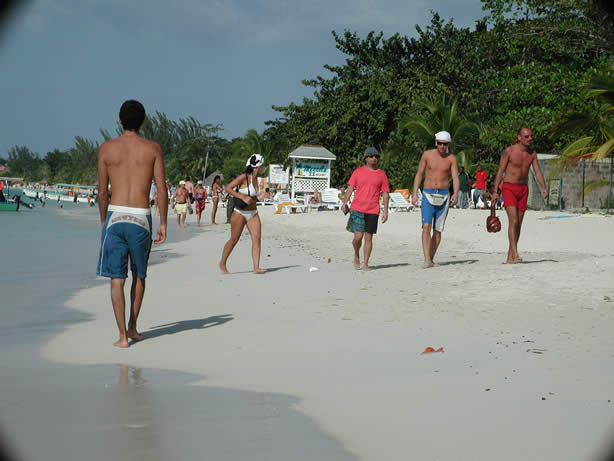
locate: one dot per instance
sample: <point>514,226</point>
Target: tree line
<point>525,62</point>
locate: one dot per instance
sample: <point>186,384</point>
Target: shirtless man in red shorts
<point>515,163</point>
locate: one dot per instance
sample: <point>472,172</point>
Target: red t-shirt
<point>1,185</point>
<point>480,179</point>
<point>369,184</point>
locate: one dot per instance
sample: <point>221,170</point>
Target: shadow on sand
<point>184,325</point>
<point>540,261</point>
<point>268,269</point>
<point>462,261</point>
<point>387,266</point>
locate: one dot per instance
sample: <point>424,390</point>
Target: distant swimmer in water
<point>128,163</point>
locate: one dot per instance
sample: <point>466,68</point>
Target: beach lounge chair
<point>286,205</point>
<point>398,203</point>
<point>330,198</point>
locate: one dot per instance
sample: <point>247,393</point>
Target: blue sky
<point>67,65</point>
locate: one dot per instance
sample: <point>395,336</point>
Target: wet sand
<point>526,372</point>
<point>119,410</point>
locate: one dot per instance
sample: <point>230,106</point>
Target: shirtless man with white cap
<point>438,164</point>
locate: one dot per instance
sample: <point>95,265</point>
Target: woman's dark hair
<point>132,115</point>
<point>249,169</point>
<point>216,178</point>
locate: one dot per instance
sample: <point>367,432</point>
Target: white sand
<point>348,343</point>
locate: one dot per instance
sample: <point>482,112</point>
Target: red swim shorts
<point>200,206</point>
<point>515,195</point>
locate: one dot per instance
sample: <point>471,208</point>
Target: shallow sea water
<point>52,411</point>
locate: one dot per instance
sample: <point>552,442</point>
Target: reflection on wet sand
<point>132,432</point>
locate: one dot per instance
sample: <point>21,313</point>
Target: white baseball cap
<point>255,161</point>
<point>443,136</point>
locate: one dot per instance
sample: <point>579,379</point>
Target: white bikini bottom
<point>247,214</point>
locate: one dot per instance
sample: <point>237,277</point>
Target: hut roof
<point>312,151</point>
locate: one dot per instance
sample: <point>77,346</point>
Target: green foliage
<point>524,63</point>
<point>594,129</point>
<point>439,115</point>
<point>22,162</point>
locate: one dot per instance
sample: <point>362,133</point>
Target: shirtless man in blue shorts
<point>438,164</point>
<point>127,164</point>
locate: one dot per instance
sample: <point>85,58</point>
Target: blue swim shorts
<point>126,233</point>
<point>435,205</point>
<point>362,222</point>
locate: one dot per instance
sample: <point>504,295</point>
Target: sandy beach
<point>527,370</point>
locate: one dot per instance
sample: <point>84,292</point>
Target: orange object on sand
<point>428,350</point>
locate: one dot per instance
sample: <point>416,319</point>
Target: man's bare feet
<point>356,262</point>
<point>259,270</point>
<point>428,264</point>
<point>123,343</point>
<point>133,334</point>
<point>223,268</point>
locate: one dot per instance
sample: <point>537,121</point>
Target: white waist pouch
<point>436,199</point>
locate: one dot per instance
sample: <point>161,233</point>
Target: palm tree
<point>443,116</point>
<point>599,124</point>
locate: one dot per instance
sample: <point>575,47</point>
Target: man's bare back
<point>130,162</point>
<point>127,163</point>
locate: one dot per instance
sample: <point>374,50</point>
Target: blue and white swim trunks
<point>126,233</point>
<point>435,205</point>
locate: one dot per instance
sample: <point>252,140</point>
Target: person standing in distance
<point>514,164</point>
<point>463,196</point>
<point>439,165</point>
<point>480,186</point>
<point>127,164</point>
<point>369,183</point>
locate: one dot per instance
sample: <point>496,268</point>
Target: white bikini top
<point>250,190</point>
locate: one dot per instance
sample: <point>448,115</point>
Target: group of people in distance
<point>128,162</point>
<point>186,196</point>
<point>437,166</point>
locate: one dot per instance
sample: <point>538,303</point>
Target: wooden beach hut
<point>310,169</point>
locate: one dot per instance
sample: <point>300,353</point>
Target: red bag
<point>492,222</point>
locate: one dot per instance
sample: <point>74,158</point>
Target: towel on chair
<point>281,206</point>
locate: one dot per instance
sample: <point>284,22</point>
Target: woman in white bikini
<point>216,192</point>
<point>244,189</point>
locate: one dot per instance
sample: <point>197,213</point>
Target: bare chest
<point>437,163</point>
<point>521,160</point>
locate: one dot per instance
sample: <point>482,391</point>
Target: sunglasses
<point>372,155</point>
<point>439,143</point>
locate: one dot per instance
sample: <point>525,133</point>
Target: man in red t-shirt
<point>480,185</point>
<point>369,183</point>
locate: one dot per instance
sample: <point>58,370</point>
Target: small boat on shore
<point>76,193</point>
<point>6,202</point>
<point>9,205</point>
